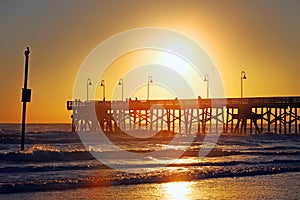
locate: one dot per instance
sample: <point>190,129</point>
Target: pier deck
<point>228,115</point>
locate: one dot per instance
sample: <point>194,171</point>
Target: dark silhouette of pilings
<point>231,115</point>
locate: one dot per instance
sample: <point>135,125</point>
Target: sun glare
<point>178,190</point>
<point>182,67</point>
<point>176,63</point>
<point>169,73</point>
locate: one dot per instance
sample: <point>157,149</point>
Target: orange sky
<point>260,37</point>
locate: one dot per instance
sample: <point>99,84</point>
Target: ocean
<point>57,165</point>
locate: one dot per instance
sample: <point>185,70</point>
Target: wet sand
<point>279,186</point>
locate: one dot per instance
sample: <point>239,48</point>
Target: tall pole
<point>88,83</point>
<point>103,85</point>
<point>122,84</point>
<point>241,87</point>
<point>148,88</point>
<point>206,79</point>
<point>243,77</point>
<point>148,91</point>
<point>26,94</point>
<point>104,92</point>
<point>87,91</point>
<point>122,91</point>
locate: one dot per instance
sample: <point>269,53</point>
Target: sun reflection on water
<point>178,190</point>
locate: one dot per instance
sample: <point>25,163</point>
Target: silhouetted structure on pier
<point>230,115</point>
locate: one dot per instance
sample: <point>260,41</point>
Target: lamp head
<point>120,82</point>
<point>243,75</point>
<point>102,83</point>
<point>89,81</point>
<point>206,78</point>
<point>27,51</point>
<point>150,79</point>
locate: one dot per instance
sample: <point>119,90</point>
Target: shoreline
<point>100,185</point>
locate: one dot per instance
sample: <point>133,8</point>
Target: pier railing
<point>229,115</point>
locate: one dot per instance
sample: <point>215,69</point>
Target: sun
<point>168,70</point>
<point>174,61</point>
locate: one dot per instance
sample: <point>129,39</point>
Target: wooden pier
<point>280,115</point>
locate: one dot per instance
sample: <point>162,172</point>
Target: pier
<point>279,115</point>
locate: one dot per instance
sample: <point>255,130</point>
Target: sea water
<point>57,165</point>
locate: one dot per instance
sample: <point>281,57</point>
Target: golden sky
<point>260,37</point>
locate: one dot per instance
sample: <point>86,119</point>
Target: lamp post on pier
<point>88,83</point>
<point>122,84</point>
<point>103,85</point>
<point>243,77</point>
<point>148,88</point>
<point>206,79</point>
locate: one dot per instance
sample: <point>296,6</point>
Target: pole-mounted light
<point>148,88</point>
<point>243,77</point>
<point>103,85</point>
<point>121,84</point>
<point>88,83</point>
<point>206,79</point>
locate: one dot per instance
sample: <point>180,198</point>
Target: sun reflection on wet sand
<point>178,190</point>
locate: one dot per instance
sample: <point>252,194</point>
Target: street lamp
<point>243,77</point>
<point>88,83</point>
<point>206,79</point>
<point>121,83</point>
<point>149,81</point>
<point>103,85</point>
